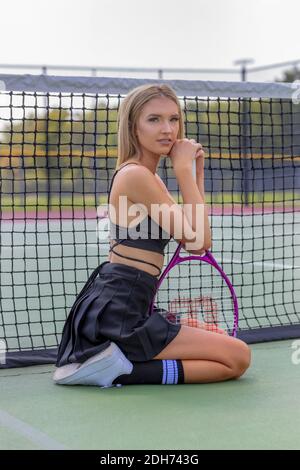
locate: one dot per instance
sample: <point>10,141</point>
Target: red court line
<point>90,213</point>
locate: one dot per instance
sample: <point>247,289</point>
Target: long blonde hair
<point>130,111</point>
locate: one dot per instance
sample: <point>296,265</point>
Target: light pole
<point>245,131</point>
<point>243,63</point>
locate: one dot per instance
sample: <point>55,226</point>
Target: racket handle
<point>194,169</point>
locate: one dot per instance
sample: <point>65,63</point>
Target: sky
<point>149,33</point>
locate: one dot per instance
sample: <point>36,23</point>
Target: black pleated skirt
<point>114,306</point>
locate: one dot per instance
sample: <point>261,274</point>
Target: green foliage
<point>289,76</point>
<point>220,125</point>
<point>64,145</point>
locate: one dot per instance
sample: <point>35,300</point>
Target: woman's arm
<point>200,184</point>
<point>183,154</point>
<point>194,204</point>
<point>143,188</point>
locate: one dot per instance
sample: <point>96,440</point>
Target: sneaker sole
<point>97,370</point>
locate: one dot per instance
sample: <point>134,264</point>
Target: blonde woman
<point>109,337</point>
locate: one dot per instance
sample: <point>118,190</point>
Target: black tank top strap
<point>115,173</point>
<point>120,241</point>
<point>132,259</point>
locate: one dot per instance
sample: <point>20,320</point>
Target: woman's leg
<point>164,372</point>
<point>194,356</point>
<point>207,356</point>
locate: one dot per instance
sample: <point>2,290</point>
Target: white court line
<point>34,435</point>
<point>104,247</point>
<point>279,266</point>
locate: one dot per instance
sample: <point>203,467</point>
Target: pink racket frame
<point>207,258</point>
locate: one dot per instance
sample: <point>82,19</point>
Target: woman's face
<point>158,126</point>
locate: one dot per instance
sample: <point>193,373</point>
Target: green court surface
<point>258,411</point>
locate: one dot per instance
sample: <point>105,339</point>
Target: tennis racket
<point>194,290</point>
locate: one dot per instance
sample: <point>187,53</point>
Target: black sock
<point>153,372</point>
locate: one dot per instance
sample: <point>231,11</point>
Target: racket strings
<point>199,312</point>
<point>202,301</point>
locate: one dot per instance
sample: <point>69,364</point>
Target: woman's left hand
<point>200,154</point>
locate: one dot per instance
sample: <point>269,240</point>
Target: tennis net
<point>58,147</point>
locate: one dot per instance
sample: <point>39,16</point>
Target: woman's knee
<point>241,359</point>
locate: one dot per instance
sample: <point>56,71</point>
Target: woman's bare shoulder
<point>134,180</point>
<point>133,171</point>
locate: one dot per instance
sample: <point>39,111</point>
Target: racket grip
<point>194,169</point>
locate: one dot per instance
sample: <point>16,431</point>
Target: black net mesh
<point>58,153</point>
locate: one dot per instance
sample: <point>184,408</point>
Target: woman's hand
<point>195,323</point>
<point>200,156</point>
<point>184,151</point>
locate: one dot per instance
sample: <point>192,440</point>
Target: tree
<point>289,76</point>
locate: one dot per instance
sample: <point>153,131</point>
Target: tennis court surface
<point>259,411</point>
<point>58,147</point>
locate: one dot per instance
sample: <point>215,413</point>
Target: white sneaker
<point>101,369</point>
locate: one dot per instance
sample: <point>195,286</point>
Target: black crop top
<point>139,236</point>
